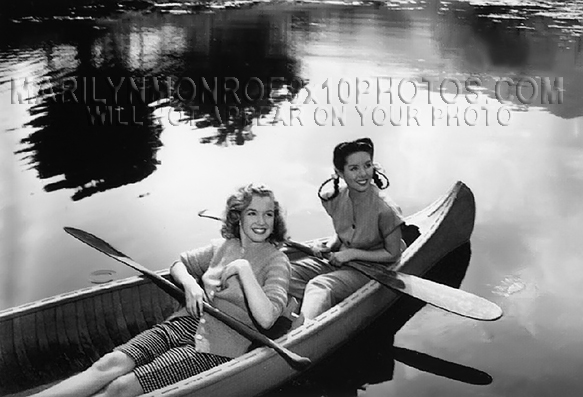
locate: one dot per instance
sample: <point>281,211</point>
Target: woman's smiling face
<point>358,171</point>
<point>257,220</point>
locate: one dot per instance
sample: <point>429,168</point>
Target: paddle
<point>296,361</point>
<point>451,299</point>
<point>443,296</point>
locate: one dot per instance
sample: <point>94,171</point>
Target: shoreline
<point>80,10</point>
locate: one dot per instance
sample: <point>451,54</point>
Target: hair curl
<point>341,153</point>
<point>239,201</point>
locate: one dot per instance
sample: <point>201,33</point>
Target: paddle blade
<point>93,241</point>
<point>436,294</point>
<point>100,245</point>
<point>451,299</point>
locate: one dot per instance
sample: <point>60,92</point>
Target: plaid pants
<point>166,354</point>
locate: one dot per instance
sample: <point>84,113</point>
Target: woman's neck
<point>247,243</point>
<point>357,196</point>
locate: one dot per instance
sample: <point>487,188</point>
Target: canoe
<point>53,338</point>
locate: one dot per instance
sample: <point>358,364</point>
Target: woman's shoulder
<point>220,245</point>
<point>220,242</point>
<point>387,203</point>
<point>332,201</point>
<point>327,192</point>
<point>275,256</point>
<point>276,252</point>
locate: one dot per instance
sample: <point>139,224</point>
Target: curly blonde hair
<point>239,201</point>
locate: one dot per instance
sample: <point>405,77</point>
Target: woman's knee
<point>114,362</point>
<point>332,287</point>
<point>316,290</point>
<point>323,282</point>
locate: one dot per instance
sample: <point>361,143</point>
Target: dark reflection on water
<point>94,118</point>
<point>85,155</point>
<point>517,42</point>
<point>241,76</point>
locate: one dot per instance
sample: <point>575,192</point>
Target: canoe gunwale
<point>73,296</point>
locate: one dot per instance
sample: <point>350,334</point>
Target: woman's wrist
<point>243,268</point>
<point>190,282</point>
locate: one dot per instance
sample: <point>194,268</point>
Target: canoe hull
<point>56,337</point>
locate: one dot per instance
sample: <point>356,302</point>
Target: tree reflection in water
<point>242,77</point>
<point>91,156</point>
<point>97,138</point>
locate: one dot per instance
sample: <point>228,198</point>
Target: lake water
<point>490,93</point>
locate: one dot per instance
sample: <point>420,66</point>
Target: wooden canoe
<point>51,339</point>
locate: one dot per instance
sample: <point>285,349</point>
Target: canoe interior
<point>48,340</point>
<point>54,338</point>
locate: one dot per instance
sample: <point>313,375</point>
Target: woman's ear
<point>337,174</point>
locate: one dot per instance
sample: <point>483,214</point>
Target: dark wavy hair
<point>341,153</point>
<point>239,201</point>
<point>345,149</point>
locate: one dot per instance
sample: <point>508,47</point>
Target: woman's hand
<point>194,299</point>
<point>340,257</point>
<point>320,249</point>
<point>234,268</point>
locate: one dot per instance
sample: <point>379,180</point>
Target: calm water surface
<point>139,181</point>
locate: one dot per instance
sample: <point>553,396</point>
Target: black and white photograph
<point>291,198</point>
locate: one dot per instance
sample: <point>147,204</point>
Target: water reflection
<point>251,73</point>
<point>89,154</point>
<point>521,44</point>
<point>94,114</point>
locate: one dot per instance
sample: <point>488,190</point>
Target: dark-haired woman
<point>245,275</point>
<point>367,225</point>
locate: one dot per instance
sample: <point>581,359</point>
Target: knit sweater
<point>272,270</point>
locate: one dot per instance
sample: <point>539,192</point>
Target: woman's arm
<point>262,308</point>
<point>390,253</point>
<point>334,243</point>
<point>193,291</point>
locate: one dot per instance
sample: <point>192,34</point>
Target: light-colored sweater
<point>270,266</point>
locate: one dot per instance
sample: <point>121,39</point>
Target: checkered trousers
<point>166,354</point>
